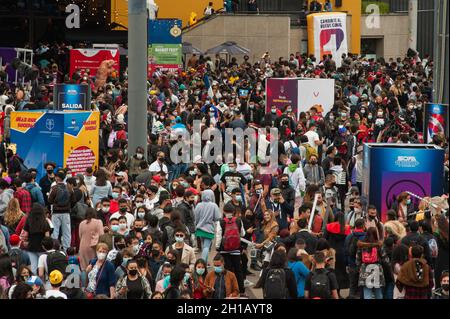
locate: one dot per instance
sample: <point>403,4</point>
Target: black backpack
<point>57,260</point>
<point>320,285</point>
<point>275,285</point>
<point>16,258</point>
<point>62,195</point>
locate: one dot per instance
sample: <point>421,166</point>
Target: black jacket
<point>310,240</point>
<point>187,215</point>
<point>415,238</point>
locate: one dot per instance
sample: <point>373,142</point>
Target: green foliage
<point>383,6</point>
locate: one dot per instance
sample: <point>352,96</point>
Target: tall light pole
<point>137,75</point>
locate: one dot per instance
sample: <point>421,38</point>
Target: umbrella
<point>188,48</point>
<point>229,47</point>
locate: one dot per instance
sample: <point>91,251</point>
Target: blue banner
<point>73,97</point>
<point>164,31</point>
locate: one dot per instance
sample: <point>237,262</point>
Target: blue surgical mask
<point>218,270</point>
<point>187,277</point>
<point>125,261</point>
<point>115,195</point>
<point>408,201</point>
<point>200,271</point>
<point>179,239</point>
<point>115,228</point>
<point>239,198</point>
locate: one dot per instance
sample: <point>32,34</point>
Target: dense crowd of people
<point>141,226</point>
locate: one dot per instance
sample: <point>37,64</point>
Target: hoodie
<point>341,176</point>
<point>207,212</point>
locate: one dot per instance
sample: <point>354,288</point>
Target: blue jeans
<point>62,221</point>
<point>206,245</point>
<point>34,258</point>
<point>389,291</point>
<point>368,293</point>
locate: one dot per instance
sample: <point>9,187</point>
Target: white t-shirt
<point>312,138</point>
<point>155,167</point>
<point>55,294</point>
<point>130,218</point>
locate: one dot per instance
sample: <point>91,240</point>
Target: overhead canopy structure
<point>188,48</point>
<point>229,47</point>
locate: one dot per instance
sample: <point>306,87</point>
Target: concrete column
<point>137,75</point>
<point>412,13</point>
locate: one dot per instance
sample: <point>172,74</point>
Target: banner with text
<point>90,59</point>
<point>436,122</point>
<point>73,97</point>
<point>327,34</point>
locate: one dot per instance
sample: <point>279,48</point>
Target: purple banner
<point>282,92</point>
<point>7,55</point>
<point>394,183</point>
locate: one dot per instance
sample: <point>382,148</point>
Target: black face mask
<point>133,272</point>
<point>372,217</point>
<point>138,229</point>
<point>285,183</point>
<point>173,262</point>
<point>49,171</point>
<point>155,253</point>
<point>120,246</point>
<point>191,202</point>
<point>445,287</point>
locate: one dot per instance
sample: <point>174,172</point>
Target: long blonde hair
<point>13,213</point>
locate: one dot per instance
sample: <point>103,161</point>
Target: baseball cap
<point>55,277</point>
<point>275,191</point>
<point>14,240</point>
<point>193,190</point>
<point>156,178</point>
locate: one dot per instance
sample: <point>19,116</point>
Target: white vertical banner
<point>330,35</point>
<point>315,92</point>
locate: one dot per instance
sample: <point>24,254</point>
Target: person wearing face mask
<point>158,165</point>
<point>442,292</point>
<point>198,279</point>
<point>89,231</point>
<point>185,252</point>
<point>47,180</point>
<point>237,201</point>
<point>100,273</point>
<point>133,285</point>
<point>231,180</point>
<point>186,208</point>
<point>287,191</point>
<point>135,161</point>
<point>164,273</point>
<point>156,259</point>
<point>221,283</point>
<point>372,220</point>
<point>404,207</point>
<point>123,212</point>
<point>253,113</point>
<point>313,173</point>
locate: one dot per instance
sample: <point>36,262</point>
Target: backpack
<point>352,247</point>
<point>320,285</point>
<point>275,284</point>
<point>112,138</point>
<point>231,238</point>
<point>62,195</point>
<point>370,256</point>
<point>15,255</point>
<point>434,249</point>
<point>79,211</point>
<point>23,168</point>
<point>310,151</point>
<point>57,261</point>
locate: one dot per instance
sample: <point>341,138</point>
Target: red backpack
<point>370,256</point>
<point>231,237</point>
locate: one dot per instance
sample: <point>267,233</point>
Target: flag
<point>208,85</point>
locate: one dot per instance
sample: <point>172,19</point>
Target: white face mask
<point>123,226</point>
<point>105,209</point>
<point>141,215</point>
<point>101,256</point>
<point>139,156</point>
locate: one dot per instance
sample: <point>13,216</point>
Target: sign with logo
<point>389,169</point>
<point>72,97</point>
<point>90,59</point>
<point>327,34</point>
<point>282,92</point>
<point>435,121</point>
<point>164,45</point>
<point>70,139</point>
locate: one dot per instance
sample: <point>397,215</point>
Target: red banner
<point>91,59</point>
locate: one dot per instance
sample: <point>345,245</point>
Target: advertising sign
<point>392,169</point>
<point>70,139</point>
<point>282,92</point>
<point>327,34</point>
<point>92,58</point>
<point>315,91</point>
<point>435,121</point>
<point>167,31</point>
<point>72,97</point>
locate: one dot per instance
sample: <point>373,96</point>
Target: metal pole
<point>412,14</point>
<point>313,212</point>
<point>137,75</point>
<point>442,36</point>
